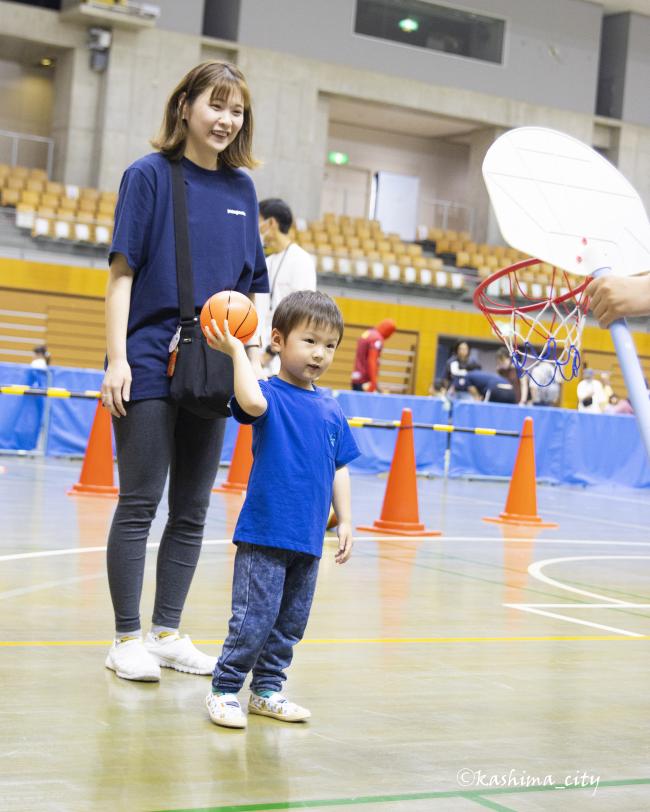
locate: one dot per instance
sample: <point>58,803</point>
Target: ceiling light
<point>338,158</point>
<point>46,62</point>
<point>408,25</point>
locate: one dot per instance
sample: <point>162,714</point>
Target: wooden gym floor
<point>473,670</point>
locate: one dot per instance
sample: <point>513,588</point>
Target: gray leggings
<point>157,437</point>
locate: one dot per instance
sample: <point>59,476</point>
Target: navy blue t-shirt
<point>501,390</point>
<point>224,243</point>
<point>298,443</point>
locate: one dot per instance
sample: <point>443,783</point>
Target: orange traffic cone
<point>521,504</point>
<point>97,470</point>
<point>240,464</point>
<point>399,514</point>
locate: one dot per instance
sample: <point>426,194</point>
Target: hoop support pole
<point>632,372</point>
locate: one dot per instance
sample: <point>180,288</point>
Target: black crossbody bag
<point>201,378</point>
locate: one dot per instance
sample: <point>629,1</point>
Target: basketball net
<point>539,322</point>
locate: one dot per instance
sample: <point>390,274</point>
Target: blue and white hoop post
<point>631,369</point>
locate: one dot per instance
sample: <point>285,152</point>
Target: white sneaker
<point>225,710</point>
<point>179,653</point>
<point>131,660</point>
<point>278,707</point>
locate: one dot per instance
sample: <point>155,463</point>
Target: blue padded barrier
<point>604,450</point>
<point>571,447</point>
<point>473,455</point>
<point>20,417</point>
<point>377,445</point>
<point>71,418</point>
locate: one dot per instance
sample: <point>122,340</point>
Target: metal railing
<point>447,214</point>
<point>15,142</point>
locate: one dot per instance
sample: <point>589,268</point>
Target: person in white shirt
<point>41,358</point>
<point>591,393</point>
<point>545,388</point>
<point>290,267</point>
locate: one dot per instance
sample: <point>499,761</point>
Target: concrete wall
<point>26,99</point>
<point>291,94</point>
<point>102,122</point>
<point>637,76</point>
<point>551,49</point>
<point>184,17</point>
<point>441,167</point>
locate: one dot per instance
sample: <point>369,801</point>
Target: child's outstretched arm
<point>247,390</point>
<point>342,507</point>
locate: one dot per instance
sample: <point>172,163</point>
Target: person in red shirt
<point>366,362</point>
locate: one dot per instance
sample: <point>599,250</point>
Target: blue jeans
<point>272,591</point>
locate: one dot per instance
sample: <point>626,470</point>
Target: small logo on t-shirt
<point>332,440</point>
<point>236,211</point>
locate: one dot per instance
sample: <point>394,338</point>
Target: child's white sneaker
<point>131,660</point>
<point>179,653</point>
<point>225,710</point>
<point>278,707</point>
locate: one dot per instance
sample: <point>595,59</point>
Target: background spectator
<point>608,391</point>
<point>618,405</point>
<point>490,386</point>
<point>290,267</point>
<point>41,358</point>
<point>544,385</point>
<point>506,368</point>
<point>591,394</point>
<point>366,361</point>
<point>458,365</point>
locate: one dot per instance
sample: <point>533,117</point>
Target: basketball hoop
<point>537,321</point>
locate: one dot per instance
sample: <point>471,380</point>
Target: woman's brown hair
<point>224,78</point>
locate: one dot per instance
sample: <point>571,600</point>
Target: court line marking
<point>623,605</point>
<point>535,569</point>
<point>470,795</point>
<point>524,608</point>
<point>216,542</point>
<point>329,641</point>
<point>27,590</point>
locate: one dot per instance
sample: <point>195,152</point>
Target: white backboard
<point>551,192</point>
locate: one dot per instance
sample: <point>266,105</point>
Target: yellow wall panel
<point>430,323</point>
<point>51,278</point>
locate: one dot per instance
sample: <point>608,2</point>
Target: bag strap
<point>182,235</point>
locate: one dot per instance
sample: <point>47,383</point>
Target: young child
<point>301,445</point>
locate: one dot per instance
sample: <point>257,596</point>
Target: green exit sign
<point>338,158</point>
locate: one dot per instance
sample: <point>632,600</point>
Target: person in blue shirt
<point>489,386</point>
<point>301,445</point>
<point>208,128</point>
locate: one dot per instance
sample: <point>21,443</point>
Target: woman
<point>458,365</point>
<point>208,127</point>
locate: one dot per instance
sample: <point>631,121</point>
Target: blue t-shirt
<point>298,443</point>
<point>501,390</point>
<point>225,249</point>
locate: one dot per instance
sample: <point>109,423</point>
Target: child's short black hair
<point>279,210</point>
<point>309,306</point>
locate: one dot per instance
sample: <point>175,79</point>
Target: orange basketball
<point>236,308</point>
